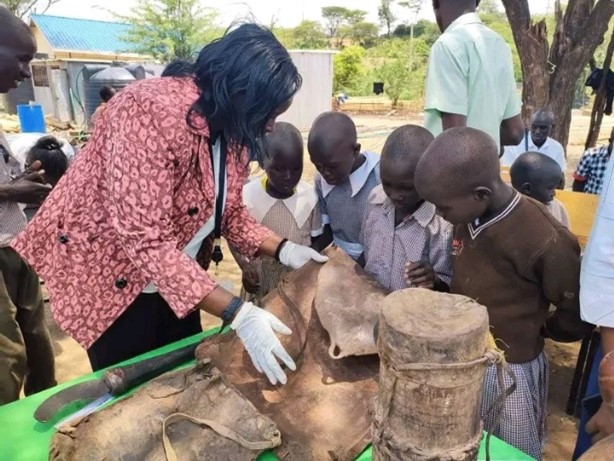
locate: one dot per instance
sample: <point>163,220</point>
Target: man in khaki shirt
<point>26,352</point>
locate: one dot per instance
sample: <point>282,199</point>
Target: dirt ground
<point>71,360</point>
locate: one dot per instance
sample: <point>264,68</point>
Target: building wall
<point>315,96</point>
<point>42,43</point>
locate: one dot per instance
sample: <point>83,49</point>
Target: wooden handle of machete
<point>120,379</point>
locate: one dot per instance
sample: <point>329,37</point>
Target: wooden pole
<point>600,99</point>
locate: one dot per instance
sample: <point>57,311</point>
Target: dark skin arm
<point>361,261</point>
<point>422,275</point>
<point>602,423</point>
<point>578,186</point>
<point>27,189</point>
<point>323,241</point>
<point>249,279</point>
<point>218,300</point>
<point>511,131</point>
<point>452,120</point>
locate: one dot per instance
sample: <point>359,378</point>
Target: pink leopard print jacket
<point>133,198</point>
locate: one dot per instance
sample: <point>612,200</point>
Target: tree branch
<point>519,16</point>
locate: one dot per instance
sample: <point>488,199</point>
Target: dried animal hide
<point>132,429</point>
<point>348,303</point>
<point>324,412</point>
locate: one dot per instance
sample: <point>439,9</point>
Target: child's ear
<point>526,188</point>
<point>482,193</point>
<point>357,148</point>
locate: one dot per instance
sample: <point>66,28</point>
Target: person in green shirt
<point>470,80</point>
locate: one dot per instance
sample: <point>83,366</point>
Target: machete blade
<point>85,392</point>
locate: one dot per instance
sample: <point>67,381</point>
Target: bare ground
<point>71,360</point>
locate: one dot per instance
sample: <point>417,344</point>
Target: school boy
<point>512,256</point>
<point>345,180</point>
<point>401,228</point>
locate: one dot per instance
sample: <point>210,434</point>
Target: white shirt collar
<point>300,204</point>
<point>533,147</point>
<point>467,18</point>
<point>359,177</point>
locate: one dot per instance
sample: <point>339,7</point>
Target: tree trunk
<point>551,71</point>
<point>600,99</point>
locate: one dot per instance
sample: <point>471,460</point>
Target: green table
<point>22,438</point>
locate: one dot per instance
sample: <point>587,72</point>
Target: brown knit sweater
<point>517,264</point>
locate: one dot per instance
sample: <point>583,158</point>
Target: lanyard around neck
<point>217,255</point>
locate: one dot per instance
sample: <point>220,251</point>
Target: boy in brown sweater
<point>512,256</point>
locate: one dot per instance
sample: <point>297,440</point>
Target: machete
<point>114,382</point>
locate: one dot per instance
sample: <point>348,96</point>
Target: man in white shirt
<point>537,140</point>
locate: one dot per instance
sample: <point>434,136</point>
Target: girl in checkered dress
<point>283,203</point>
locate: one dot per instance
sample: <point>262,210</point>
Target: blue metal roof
<point>84,34</point>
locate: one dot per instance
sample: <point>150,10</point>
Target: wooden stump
<point>427,407</point>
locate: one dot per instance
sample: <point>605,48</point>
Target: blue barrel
<point>31,118</point>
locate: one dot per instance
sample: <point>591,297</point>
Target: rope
<point>220,429</point>
<point>492,356</point>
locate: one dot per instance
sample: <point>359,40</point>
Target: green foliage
<point>395,75</point>
<point>363,33</point>
<point>168,29</point>
<point>335,17</point>
<point>347,67</point>
<point>386,15</point>
<point>309,35</point>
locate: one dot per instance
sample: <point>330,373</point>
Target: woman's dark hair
<point>178,68</point>
<point>48,151</point>
<point>107,92</point>
<point>244,77</point>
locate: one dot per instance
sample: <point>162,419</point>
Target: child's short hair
<point>284,135</point>
<point>331,125</point>
<point>48,151</point>
<point>107,92</point>
<point>532,167</point>
<point>407,141</point>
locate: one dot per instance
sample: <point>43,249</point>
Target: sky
<point>285,13</point>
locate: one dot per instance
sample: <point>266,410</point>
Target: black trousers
<point>147,324</point>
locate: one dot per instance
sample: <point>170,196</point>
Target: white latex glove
<point>296,256</point>
<point>256,328</point>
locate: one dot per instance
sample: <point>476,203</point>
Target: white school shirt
<point>551,148</point>
<point>192,247</point>
<point>597,274</point>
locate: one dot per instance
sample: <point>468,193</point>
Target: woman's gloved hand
<point>296,256</point>
<point>256,328</point>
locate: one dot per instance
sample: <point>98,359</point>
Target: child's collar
<point>359,177</point>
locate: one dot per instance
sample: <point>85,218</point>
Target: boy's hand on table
<point>251,279</point>
<point>421,275</point>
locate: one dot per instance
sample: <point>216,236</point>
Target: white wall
<point>315,96</point>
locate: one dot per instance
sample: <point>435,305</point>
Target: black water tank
<point>94,79</point>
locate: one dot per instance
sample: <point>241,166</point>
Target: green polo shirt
<point>470,73</point>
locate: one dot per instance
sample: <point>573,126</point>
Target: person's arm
<point>578,186</point>
<point>558,271</point>
<point>440,256</point>
<point>582,173</point>
<point>452,121</point>
<point>512,132</point>
<point>27,189</point>
<point>446,86</point>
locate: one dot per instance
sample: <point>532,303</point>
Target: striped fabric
<point>12,218</point>
<point>523,420</point>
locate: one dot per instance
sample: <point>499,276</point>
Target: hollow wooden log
<point>431,347</point>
